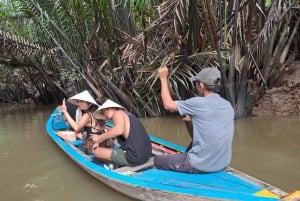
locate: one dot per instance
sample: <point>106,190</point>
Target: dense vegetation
<point>114,47</point>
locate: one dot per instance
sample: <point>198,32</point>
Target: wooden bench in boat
<point>148,164</point>
<point>125,169</point>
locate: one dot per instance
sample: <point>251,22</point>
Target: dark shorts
<point>118,156</point>
<point>175,162</point>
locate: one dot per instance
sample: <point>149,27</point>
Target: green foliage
<point>268,3</point>
<point>143,11</point>
<point>116,46</point>
<point>11,20</point>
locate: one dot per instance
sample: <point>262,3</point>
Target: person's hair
<point>92,108</point>
<point>212,88</point>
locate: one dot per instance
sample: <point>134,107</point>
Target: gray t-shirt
<point>213,127</point>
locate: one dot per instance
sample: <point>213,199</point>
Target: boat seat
<point>126,169</point>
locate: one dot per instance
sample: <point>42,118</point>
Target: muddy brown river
<point>33,168</point>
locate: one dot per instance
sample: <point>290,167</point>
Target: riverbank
<point>283,100</point>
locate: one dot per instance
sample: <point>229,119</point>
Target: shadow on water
<point>34,168</point>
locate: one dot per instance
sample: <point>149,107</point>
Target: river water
<point>33,168</point>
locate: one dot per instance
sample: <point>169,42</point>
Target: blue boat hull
<point>149,183</point>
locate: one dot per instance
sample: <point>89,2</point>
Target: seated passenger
<point>135,145</point>
<point>212,119</point>
<point>84,121</point>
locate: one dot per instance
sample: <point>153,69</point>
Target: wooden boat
<point>145,182</point>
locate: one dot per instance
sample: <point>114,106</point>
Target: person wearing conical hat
<point>135,145</point>
<point>84,121</point>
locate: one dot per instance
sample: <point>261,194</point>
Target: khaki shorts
<point>118,156</point>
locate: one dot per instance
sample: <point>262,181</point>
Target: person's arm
<point>76,126</point>
<point>168,102</point>
<point>64,105</point>
<point>116,130</point>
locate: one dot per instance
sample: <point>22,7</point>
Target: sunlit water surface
<point>33,168</point>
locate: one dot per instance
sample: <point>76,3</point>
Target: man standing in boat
<point>212,118</point>
<point>135,145</point>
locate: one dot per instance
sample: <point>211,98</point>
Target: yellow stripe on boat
<point>293,196</point>
<point>266,193</point>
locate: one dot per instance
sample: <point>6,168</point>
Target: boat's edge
<point>144,193</point>
<point>141,194</point>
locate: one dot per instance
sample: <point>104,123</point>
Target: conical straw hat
<point>107,104</point>
<point>83,96</point>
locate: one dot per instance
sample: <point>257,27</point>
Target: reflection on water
<point>34,168</point>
